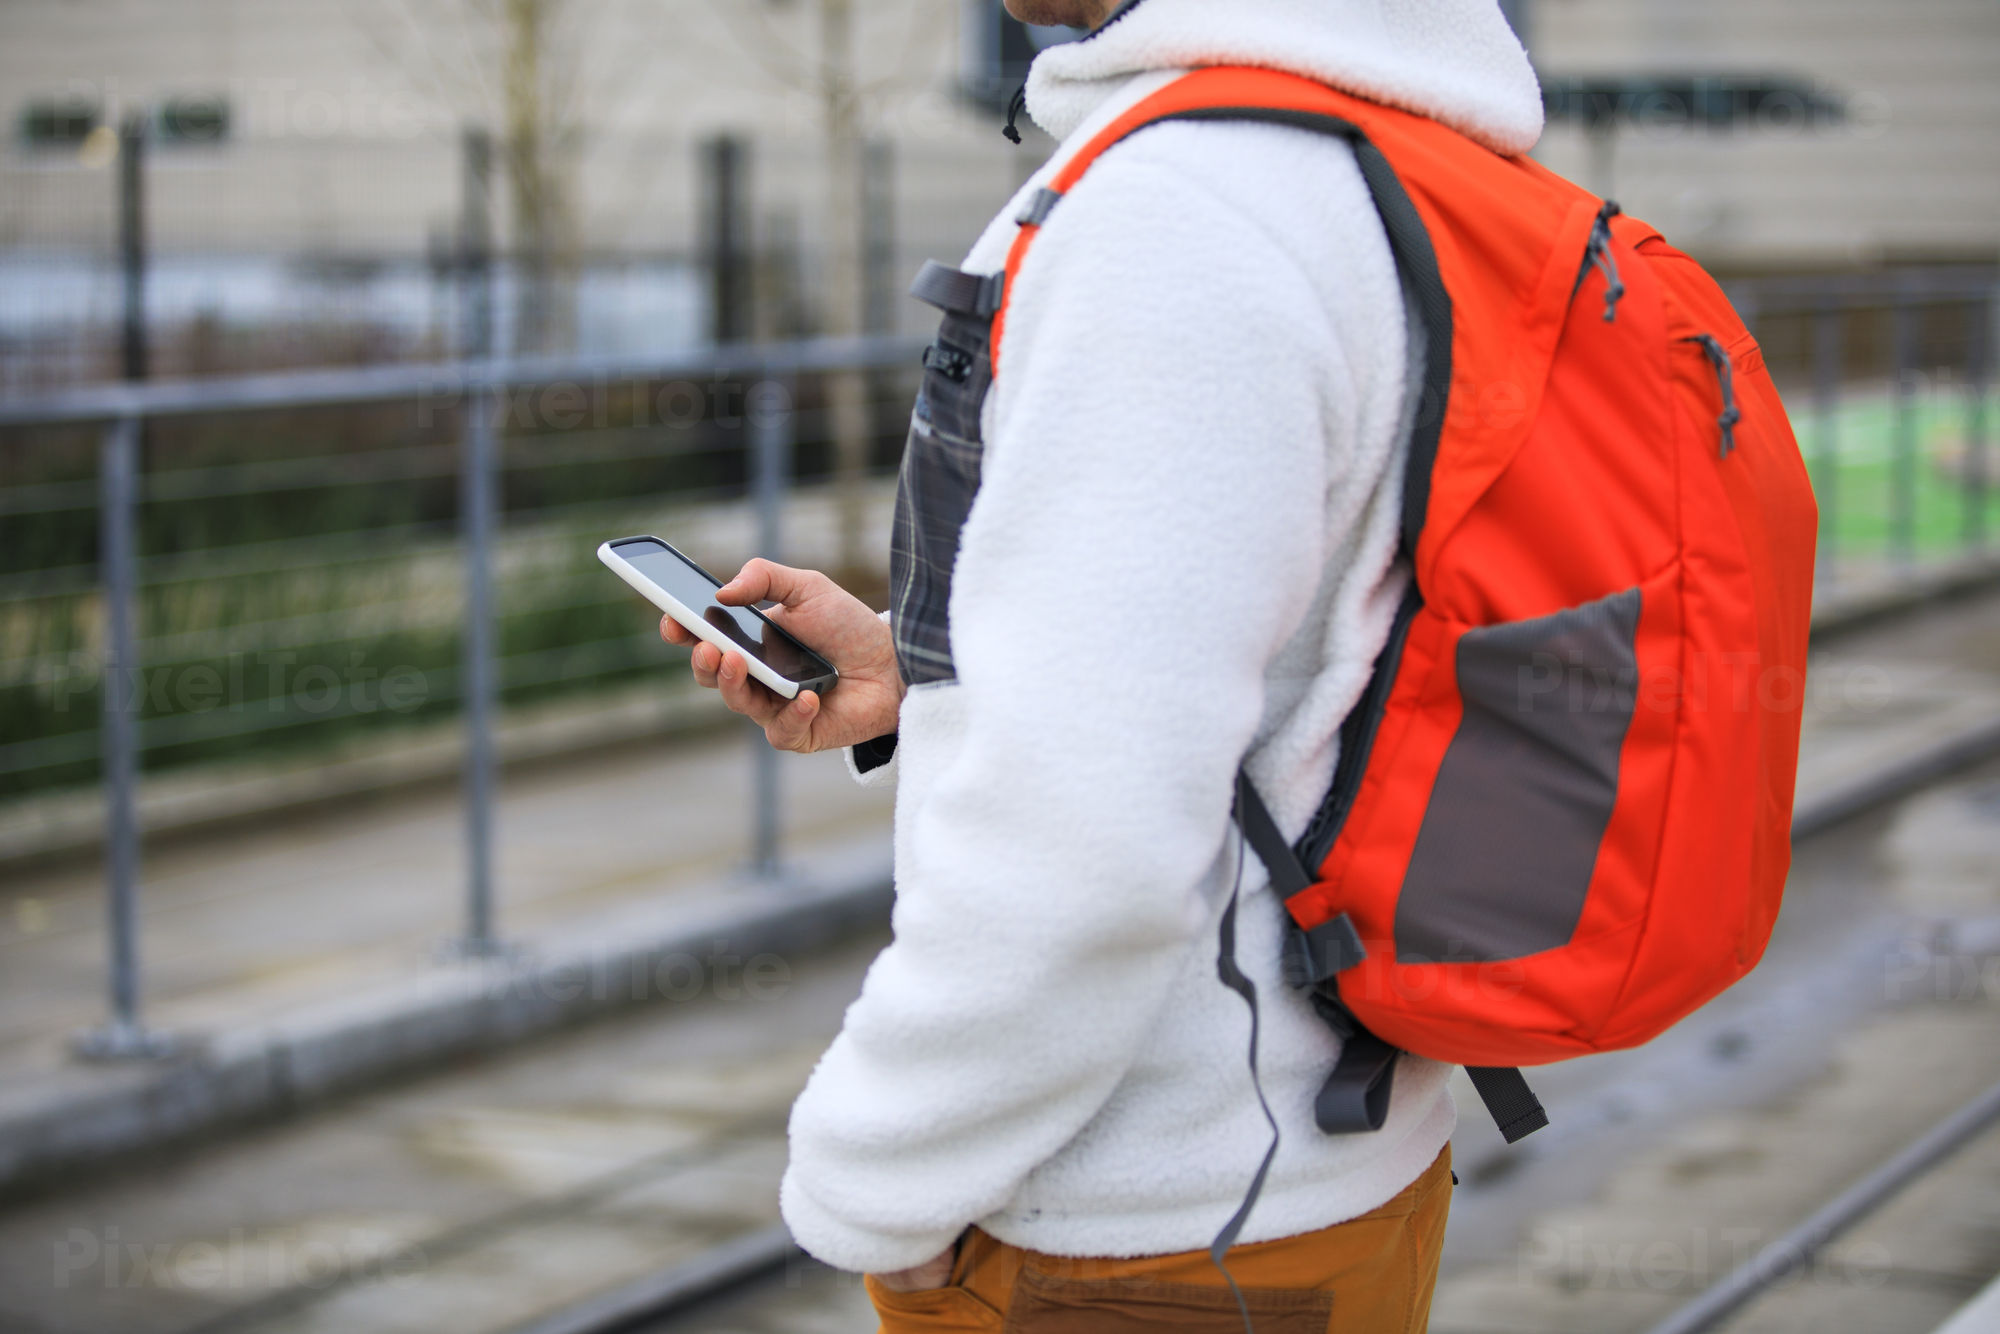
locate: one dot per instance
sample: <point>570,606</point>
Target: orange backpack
<point>1560,819</point>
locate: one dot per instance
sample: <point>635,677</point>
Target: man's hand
<point>930,1274</point>
<point>833,623</point>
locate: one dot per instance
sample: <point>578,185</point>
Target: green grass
<point>1883,487</point>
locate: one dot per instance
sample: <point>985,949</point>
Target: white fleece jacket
<point>1181,553</point>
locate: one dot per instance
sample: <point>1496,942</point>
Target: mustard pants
<point>1370,1275</point>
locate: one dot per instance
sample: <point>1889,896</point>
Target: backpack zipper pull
<point>1718,357</point>
<point>1597,251</point>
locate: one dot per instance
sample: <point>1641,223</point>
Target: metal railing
<point>1882,362</point>
<point>475,393</point>
<point>1919,345</point>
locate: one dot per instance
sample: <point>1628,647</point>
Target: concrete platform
<point>315,957</point>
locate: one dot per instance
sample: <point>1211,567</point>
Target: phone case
<point>695,625</point>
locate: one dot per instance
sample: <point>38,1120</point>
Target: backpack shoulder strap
<point>1226,93</point>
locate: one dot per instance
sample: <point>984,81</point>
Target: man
<point>1170,544</point>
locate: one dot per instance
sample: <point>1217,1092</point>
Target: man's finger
<point>767,581</point>
<point>707,661</point>
<point>792,728</point>
<point>744,695</point>
<point>674,632</point>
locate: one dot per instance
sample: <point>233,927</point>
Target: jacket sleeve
<point>1145,540</point>
<point>873,762</point>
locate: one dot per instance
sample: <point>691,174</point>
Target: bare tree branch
<point>458,84</point>
<point>761,42</point>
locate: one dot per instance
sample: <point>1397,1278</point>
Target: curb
<point>1897,779</point>
<point>644,955</point>
<point>70,827</point>
<point>1843,613</point>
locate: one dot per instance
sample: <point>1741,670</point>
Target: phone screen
<point>695,588</point>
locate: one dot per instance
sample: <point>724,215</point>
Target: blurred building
<point>1909,174</point>
<point>665,171</point>
<point>307,165</point>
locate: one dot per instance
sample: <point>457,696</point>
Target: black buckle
<point>1331,948</point>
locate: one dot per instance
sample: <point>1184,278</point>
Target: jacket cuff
<point>835,1241</point>
<point>873,763</point>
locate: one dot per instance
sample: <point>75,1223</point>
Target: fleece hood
<point>1456,61</point>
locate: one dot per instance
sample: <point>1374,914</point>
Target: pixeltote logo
<point>721,401</point>
<point>270,1259</point>
<point>1684,1260</point>
<point>716,973</point>
<point>245,683</point>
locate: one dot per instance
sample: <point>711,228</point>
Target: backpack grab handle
<point>1355,1098</point>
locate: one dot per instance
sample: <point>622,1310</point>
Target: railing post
<point>1903,461</point>
<point>1828,343</point>
<point>132,244</point>
<point>725,163</point>
<point>1979,372</point>
<point>123,1035</point>
<point>768,414</point>
<point>478,504</point>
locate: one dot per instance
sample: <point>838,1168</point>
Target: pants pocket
<point>1048,1304</point>
<point>946,1310</point>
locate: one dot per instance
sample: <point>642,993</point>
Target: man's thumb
<point>764,581</point>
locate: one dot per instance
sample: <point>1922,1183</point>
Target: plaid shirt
<point>940,474</point>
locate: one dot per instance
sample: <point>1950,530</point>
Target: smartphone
<point>686,592</point>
